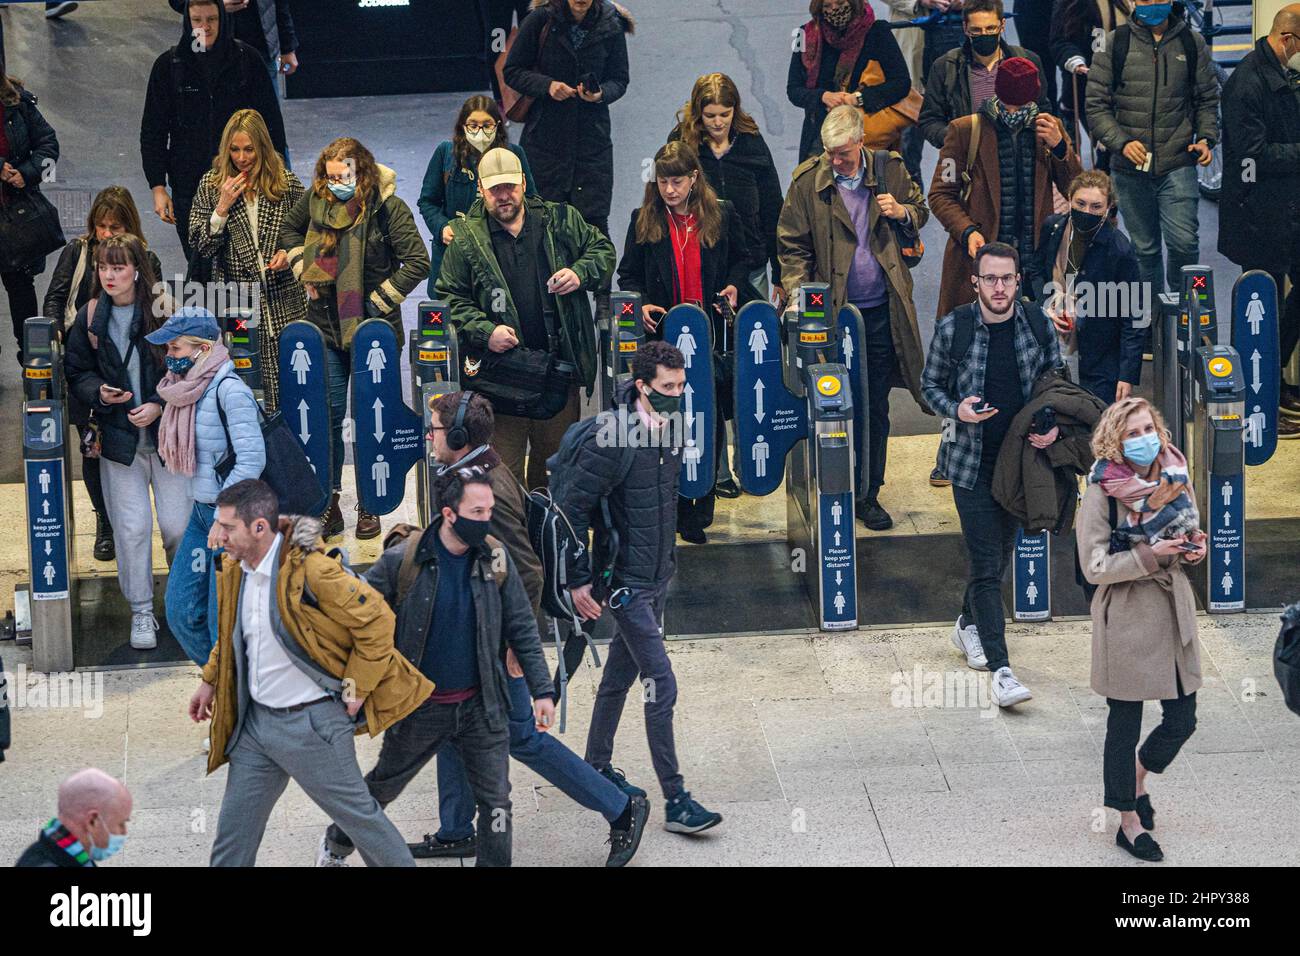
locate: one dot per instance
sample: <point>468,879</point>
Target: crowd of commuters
<point>439,643</point>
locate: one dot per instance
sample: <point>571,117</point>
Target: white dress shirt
<point>274,680</point>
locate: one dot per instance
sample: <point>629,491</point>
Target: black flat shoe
<point>431,848</point>
<point>726,488</point>
<point>1146,813</point>
<point>693,536</point>
<point>1144,848</point>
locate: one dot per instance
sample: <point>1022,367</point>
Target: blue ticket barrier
<point>769,419</point>
<point>1031,579</point>
<point>625,337</point>
<point>243,331</point>
<point>850,335</point>
<point>304,395</point>
<point>688,328</point>
<point>1217,463</point>
<point>388,436</point>
<point>1255,337</point>
<point>435,371</point>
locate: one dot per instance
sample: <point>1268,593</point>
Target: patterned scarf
<point>1146,521</point>
<point>181,393</point>
<point>847,41</point>
<point>343,269</point>
<point>1013,120</point>
<point>56,831</point>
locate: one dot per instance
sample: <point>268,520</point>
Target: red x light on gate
<point>627,308</point>
<point>816,298</point>
<point>241,325</point>
<point>1198,282</point>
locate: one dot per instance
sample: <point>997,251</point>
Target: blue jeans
<point>338,370</point>
<point>541,753</point>
<point>1157,208</point>
<point>192,587</point>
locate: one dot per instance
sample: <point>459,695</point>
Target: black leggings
<point>1124,727</point>
<point>21,289</point>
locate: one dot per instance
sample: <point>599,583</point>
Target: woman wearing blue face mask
<point>355,247</point>
<point>210,412</point>
<point>1144,640</point>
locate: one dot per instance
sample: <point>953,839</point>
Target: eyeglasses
<point>986,32</point>
<point>341,180</point>
<point>488,127</point>
<point>992,282</point>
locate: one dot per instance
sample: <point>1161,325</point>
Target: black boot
<point>332,519</point>
<point>105,550</point>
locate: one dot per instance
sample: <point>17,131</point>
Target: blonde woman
<point>238,211</point>
<point>209,412</point>
<point>1144,640</point>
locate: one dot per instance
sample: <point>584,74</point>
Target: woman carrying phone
<point>451,179</point>
<point>72,283</point>
<point>238,210</point>
<point>686,245</point>
<point>1144,638</point>
<point>355,247</point>
<point>112,369</point>
<point>210,414</point>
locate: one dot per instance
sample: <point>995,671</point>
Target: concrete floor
<point>815,750</point>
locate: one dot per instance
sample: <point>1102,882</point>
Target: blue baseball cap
<point>190,320</point>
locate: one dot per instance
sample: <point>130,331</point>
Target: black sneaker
<point>683,815</point>
<point>876,518</point>
<point>623,843</point>
<point>938,479</point>
<point>105,549</point>
<point>618,779</point>
<point>431,848</point>
<point>694,536</point>
<point>727,488</point>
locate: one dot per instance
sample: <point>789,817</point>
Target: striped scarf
<point>343,269</point>
<point>56,831</point>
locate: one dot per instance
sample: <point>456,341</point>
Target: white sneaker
<point>207,745</point>
<point>1007,691</point>
<point>966,638</point>
<point>325,858</point>
<point>144,629</point>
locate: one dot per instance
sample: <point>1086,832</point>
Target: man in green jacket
<point>516,275</point>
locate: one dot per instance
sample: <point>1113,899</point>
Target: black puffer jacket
<point>643,506</point>
<point>88,367</point>
<point>190,98</point>
<point>568,142</point>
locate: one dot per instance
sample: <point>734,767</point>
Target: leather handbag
<point>518,105</point>
<point>884,128</point>
<point>29,230</point>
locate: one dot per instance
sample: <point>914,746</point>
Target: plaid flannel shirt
<point>962,442</point>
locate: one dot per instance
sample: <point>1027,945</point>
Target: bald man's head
<point>1287,21</point>
<point>92,805</point>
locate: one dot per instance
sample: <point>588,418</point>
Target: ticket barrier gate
<point>52,593</point>
<point>621,338</point>
<point>243,332</point>
<point>1217,464</point>
<point>435,371</point>
<point>794,397</point>
<point>1184,322</point>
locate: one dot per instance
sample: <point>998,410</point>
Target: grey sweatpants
<point>126,495</point>
<point>314,746</point>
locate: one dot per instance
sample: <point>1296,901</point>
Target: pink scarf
<point>182,393</point>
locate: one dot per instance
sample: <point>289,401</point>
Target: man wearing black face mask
<point>460,603</point>
<point>1085,276</point>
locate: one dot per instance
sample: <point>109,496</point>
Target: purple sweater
<point>866,282</point>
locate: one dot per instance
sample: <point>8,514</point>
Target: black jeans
<point>990,535</point>
<point>882,363</point>
<point>1124,727</point>
<point>412,742</point>
<point>637,650</point>
<point>1288,312</point>
<point>21,289</point>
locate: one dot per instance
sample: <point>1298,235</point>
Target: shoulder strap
<point>1038,324</point>
<point>972,154</point>
<point>963,334</point>
<point>407,571</point>
<point>1189,50</point>
<point>1123,36</point>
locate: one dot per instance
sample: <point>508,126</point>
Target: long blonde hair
<point>678,159</point>
<point>269,177</point>
<point>712,89</point>
<point>1108,435</point>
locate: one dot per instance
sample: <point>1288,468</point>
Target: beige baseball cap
<point>499,166</point>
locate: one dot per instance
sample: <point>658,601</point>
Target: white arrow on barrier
<point>49,548</point>
<point>303,434</point>
<point>1227,518</point>
<point>839,575</point>
<point>689,402</point>
<point>379,420</point>
<point>837,539</point>
<point>1031,569</point>
<point>1255,383</point>
<point>758,399</point>
<point>1227,558</point>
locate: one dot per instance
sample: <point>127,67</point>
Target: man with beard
<point>980,372</point>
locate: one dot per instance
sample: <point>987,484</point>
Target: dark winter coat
<point>46,853</point>
<point>1110,346</point>
<point>503,615</point>
<point>880,46</point>
<point>186,106</point>
<point>643,507</point>
<point>33,150</point>
<point>1259,221</point>
<point>569,143</point>
<point>1040,487</point>
<point>88,367</point>
<point>947,90</point>
<point>746,177</point>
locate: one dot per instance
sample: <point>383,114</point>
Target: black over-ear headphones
<point>458,434</point>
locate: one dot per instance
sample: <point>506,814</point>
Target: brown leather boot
<point>332,519</point>
<point>367,525</point>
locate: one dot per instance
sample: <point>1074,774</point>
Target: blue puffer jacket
<point>210,444</point>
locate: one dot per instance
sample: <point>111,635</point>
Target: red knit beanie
<point>1017,83</point>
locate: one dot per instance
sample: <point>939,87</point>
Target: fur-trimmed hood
<point>302,532</point>
<point>629,24</point>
